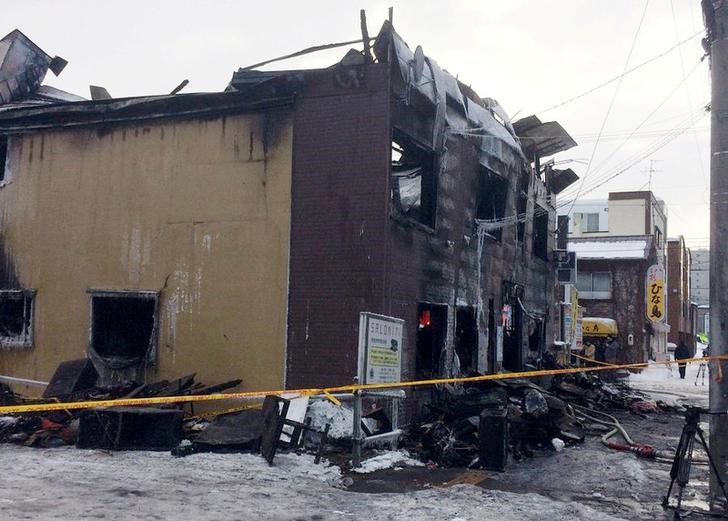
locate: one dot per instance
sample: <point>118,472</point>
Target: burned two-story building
<point>242,233</point>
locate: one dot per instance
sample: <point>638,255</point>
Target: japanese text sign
<point>655,293</point>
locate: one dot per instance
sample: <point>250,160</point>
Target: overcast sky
<point>529,55</point>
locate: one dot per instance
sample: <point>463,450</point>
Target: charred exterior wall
<point>352,250</point>
<point>627,305</point>
<point>441,265</point>
<point>198,210</point>
<point>338,220</point>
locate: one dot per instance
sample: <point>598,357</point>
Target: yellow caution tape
<point>333,399</point>
<point>131,402</point>
<point>591,360</point>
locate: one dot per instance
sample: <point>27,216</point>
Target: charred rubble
<point>484,423</point>
<point>151,428</point>
<point>477,424</point>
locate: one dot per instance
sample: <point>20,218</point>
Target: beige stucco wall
<point>627,217</point>
<point>196,209</point>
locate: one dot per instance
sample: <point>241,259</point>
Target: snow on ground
<point>66,483</point>
<point>387,460</point>
<point>663,382</point>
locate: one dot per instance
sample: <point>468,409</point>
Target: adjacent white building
<point>622,214</point>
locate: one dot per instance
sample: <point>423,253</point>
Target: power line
<point>612,80</point>
<point>627,164</point>
<point>611,103</point>
<point>652,113</point>
<point>645,153</point>
<point>687,94</point>
<point>475,131</point>
<point>669,95</point>
<point>651,150</point>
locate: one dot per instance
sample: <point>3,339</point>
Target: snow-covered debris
<point>558,444</point>
<point>387,460</point>
<point>8,421</point>
<point>340,417</point>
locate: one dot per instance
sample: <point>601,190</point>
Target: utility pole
<point>715,14</point>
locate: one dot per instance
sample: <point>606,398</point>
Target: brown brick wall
<point>627,305</point>
<point>351,253</point>
<point>339,194</point>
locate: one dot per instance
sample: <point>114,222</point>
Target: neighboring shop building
<point>682,315</point>
<point>612,284</point>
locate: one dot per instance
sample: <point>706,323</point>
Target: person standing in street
<point>589,352</point>
<point>611,350</point>
<point>681,353</point>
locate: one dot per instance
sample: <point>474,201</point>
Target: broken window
<point>431,335</point>
<point>3,156</point>
<point>466,338</point>
<point>492,202</point>
<point>16,318</point>
<point>522,205</point>
<point>540,233</point>
<point>414,180</point>
<point>124,324</point>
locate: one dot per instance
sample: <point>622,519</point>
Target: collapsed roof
<point>542,139</point>
<point>449,106</point>
<point>453,107</point>
<point>23,66</point>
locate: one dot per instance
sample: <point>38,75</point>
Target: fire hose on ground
<point>638,449</point>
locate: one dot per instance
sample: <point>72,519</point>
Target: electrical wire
<point>687,94</point>
<point>492,224</point>
<point>652,113</point>
<point>611,103</point>
<point>679,129</point>
<point>633,69</point>
<point>629,163</point>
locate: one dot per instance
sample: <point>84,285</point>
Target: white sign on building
<point>380,348</point>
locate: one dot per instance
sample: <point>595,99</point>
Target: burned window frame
<point>4,158</point>
<point>524,183</point>
<point>540,239</point>
<point>486,177</point>
<point>152,350</point>
<point>26,337</point>
<point>429,174</point>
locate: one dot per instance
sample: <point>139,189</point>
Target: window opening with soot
<point>16,318</point>
<point>3,156</point>
<point>541,233</point>
<point>522,205</point>
<point>414,180</point>
<point>492,202</point>
<point>124,325</point>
